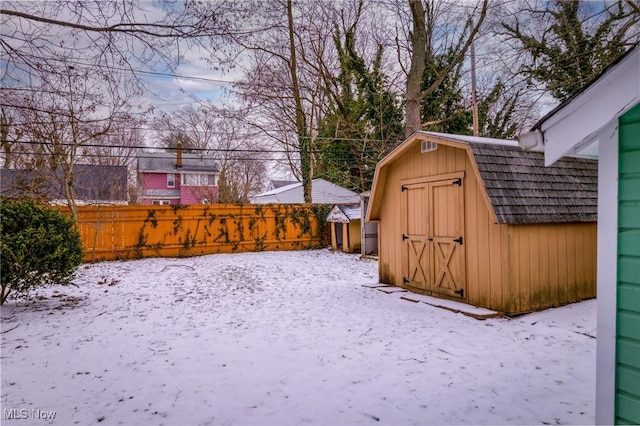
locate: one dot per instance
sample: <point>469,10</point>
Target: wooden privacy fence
<point>126,232</point>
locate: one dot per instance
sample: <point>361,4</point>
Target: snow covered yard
<point>279,338</point>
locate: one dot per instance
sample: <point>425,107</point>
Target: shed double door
<point>432,237</point>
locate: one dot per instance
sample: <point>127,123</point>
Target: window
<point>161,202</point>
<point>171,180</point>
<point>196,179</point>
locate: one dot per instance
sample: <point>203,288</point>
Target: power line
<point>151,155</point>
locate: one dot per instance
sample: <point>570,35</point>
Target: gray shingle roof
<point>165,162</point>
<point>522,190</point>
<point>91,183</point>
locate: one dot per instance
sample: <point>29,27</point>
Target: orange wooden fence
<point>125,232</point>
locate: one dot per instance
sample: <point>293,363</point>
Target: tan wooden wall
<point>411,165</point>
<point>509,268</point>
<point>351,236</point>
<point>550,265</point>
<point>123,232</point>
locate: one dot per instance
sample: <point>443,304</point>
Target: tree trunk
<point>416,72</point>
<point>69,193</point>
<point>301,125</point>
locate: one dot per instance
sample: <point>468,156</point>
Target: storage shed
<point>345,223</point>
<point>481,221</point>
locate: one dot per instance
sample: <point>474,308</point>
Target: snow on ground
<point>282,338</point>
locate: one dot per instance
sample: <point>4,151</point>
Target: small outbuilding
<point>345,223</point>
<point>481,221</point>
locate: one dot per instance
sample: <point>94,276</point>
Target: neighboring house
<point>176,178</point>
<point>483,222</point>
<point>346,227</point>
<point>604,119</point>
<point>322,192</point>
<point>93,184</point>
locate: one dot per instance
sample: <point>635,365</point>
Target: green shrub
<point>39,246</point>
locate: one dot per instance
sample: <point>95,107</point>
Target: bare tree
<point>424,39</point>
<point>61,114</point>
<point>221,133</point>
<point>283,92</point>
<point>192,126</point>
<point>123,36</point>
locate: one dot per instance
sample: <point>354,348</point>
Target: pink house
<point>176,178</point>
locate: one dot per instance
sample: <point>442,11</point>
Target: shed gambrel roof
<point>522,190</point>
<point>516,183</point>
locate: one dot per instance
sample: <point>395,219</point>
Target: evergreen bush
<point>39,246</point>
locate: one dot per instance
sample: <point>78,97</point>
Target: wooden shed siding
<point>486,266</point>
<point>551,264</point>
<point>509,268</point>
<point>486,260</point>
<point>413,164</point>
<point>354,236</point>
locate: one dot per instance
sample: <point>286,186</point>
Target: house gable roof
<point>165,162</point>
<point>97,183</point>
<point>322,192</point>
<point>516,185</point>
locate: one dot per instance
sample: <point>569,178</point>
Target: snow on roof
<point>344,214</point>
<point>472,139</point>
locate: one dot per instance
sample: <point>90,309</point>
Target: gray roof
<point>522,190</point>
<point>165,162</point>
<point>91,183</point>
<point>322,192</point>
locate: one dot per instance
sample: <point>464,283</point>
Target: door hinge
<point>458,240</point>
<point>460,292</point>
<point>404,188</point>
<point>405,237</point>
<point>457,182</point>
<point>405,280</point>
